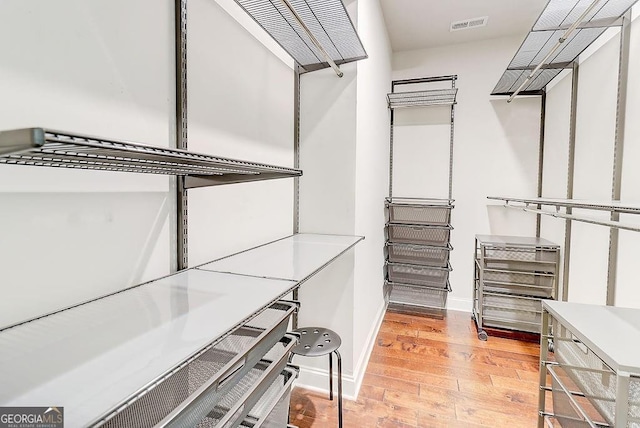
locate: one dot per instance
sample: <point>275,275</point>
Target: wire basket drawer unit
<point>433,212</point>
<point>517,282</point>
<point>594,378</point>
<point>511,312</point>
<point>188,393</point>
<point>428,276</point>
<point>418,254</point>
<point>400,295</point>
<point>571,410</point>
<point>236,405</point>
<point>421,235</point>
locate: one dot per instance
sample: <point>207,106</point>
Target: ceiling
<point>420,24</point>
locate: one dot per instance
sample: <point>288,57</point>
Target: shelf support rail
<point>553,50</point>
<point>313,38</point>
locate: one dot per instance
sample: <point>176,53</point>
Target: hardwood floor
<point>427,372</point>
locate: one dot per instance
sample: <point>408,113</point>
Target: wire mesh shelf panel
<point>43,147</point>
<point>419,214</point>
<point>420,235</point>
<point>433,97</point>
<point>327,20</point>
<point>220,366</point>
<point>593,377</point>
<point>419,296</point>
<point>418,275</point>
<point>550,27</point>
<point>418,254</point>
<point>521,254</point>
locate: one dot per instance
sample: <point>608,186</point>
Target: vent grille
<point>469,23</point>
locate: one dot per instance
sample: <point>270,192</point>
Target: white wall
<point>596,120</point>
<point>344,156</point>
<point>372,179</point>
<point>495,149</point>
<point>68,236</point>
<point>240,105</point>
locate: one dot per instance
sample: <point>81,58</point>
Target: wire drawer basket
<point>511,312</point>
<point>435,215</point>
<point>419,254</point>
<point>434,277</point>
<point>520,258</point>
<point>521,283</point>
<point>216,369</point>
<point>594,378</point>
<point>419,296</point>
<point>437,236</point>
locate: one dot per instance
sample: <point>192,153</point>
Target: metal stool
<point>318,341</point>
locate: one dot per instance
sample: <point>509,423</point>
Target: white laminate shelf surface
<point>294,258</point>
<point>90,358</point>
<point>510,241</point>
<point>613,333</point>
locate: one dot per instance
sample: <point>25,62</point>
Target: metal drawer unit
<point>592,377</point>
<point>248,358</point>
<point>511,276</point>
<point>417,252</point>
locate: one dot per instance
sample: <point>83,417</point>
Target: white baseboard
<point>457,304</point>
<point>317,380</point>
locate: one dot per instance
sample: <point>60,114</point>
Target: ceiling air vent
<point>467,24</point>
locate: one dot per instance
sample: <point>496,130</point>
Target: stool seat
<point>316,341</point>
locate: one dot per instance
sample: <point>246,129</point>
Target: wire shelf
<point>327,20</point>
<point>551,25</point>
<point>434,97</point>
<point>44,147</point>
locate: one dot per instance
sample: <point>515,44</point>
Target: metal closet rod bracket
<point>313,38</point>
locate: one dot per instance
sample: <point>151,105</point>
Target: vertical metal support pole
<point>296,164</point>
<point>391,147</point>
<point>543,113</point>
<point>618,151</point>
<point>570,174</point>
<point>453,85</point>
<point>180,27</point>
<point>544,350</point>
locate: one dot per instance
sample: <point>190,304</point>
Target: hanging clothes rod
<point>553,50</point>
<point>608,223</point>
<point>313,38</point>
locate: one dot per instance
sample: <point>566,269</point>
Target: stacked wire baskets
<point>511,279</point>
<point>417,254</point>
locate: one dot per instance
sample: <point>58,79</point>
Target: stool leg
<point>330,376</point>
<point>339,388</point>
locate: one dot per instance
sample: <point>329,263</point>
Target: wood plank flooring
<point>427,372</point>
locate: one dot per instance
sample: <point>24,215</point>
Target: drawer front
<point>419,255</point>
<point>420,235</point>
<point>272,410</point>
<point>541,291</point>
<point>433,215</point>
<point>511,312</point>
<point>528,284</point>
<point>518,254</point>
<point>411,295</point>
<point>418,275</point>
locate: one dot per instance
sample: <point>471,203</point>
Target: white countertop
<point>92,357</point>
<point>613,333</point>
<point>294,258</point>
<point>507,241</point>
